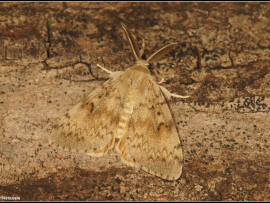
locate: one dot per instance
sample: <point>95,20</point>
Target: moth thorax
<point>134,75</point>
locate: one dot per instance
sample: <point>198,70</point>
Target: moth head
<point>138,53</point>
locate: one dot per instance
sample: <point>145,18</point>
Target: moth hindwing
<point>128,112</point>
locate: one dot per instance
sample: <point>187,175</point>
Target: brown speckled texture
<point>48,56</point>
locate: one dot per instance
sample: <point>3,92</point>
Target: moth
<point>129,113</point>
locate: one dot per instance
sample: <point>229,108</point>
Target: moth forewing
<point>89,126</point>
<point>151,138</point>
<point>128,112</point>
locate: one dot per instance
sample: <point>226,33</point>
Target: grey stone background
<point>48,57</point>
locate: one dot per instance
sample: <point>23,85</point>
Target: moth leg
<point>106,70</point>
<point>161,81</point>
<point>168,95</point>
<point>142,49</point>
<point>110,72</point>
<point>179,96</point>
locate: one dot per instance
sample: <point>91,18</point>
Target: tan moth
<point>129,113</point>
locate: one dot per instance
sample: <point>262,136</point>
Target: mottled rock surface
<point>48,57</point>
